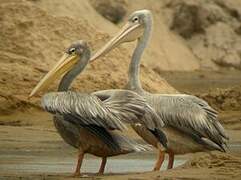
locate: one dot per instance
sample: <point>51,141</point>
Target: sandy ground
<point>39,153</point>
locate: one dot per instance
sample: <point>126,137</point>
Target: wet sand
<point>36,152</point>
<point>39,153</point>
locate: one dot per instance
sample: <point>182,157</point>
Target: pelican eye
<point>135,19</point>
<point>71,50</point>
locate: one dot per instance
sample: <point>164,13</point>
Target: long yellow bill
<point>130,32</point>
<point>64,64</point>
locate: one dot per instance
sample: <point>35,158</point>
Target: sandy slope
<point>166,51</point>
<point>188,34</point>
<point>32,40</point>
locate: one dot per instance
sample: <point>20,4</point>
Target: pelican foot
<point>155,169</point>
<point>99,173</point>
<point>76,174</point>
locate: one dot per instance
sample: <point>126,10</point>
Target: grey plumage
<point>122,106</point>
<point>185,113</point>
<point>189,112</point>
<point>186,118</point>
<point>132,108</point>
<point>86,121</point>
<point>86,109</point>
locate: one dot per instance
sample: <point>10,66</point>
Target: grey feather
<point>129,144</point>
<point>131,107</point>
<point>97,116</point>
<point>189,112</point>
<point>213,145</point>
<point>121,106</point>
<point>87,109</point>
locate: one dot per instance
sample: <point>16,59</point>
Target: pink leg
<point>171,160</point>
<point>160,159</point>
<point>102,166</point>
<point>79,163</point>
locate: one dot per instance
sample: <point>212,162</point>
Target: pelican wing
<point>83,109</point>
<point>131,107</point>
<point>191,115</point>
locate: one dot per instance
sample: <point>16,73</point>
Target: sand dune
<point>32,39</point>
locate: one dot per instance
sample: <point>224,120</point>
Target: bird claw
<point>99,173</point>
<point>155,169</point>
<point>76,174</point>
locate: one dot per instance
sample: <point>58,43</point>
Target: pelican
<point>87,122</point>
<point>191,125</point>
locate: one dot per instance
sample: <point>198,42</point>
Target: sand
<point>34,34</point>
<point>33,152</point>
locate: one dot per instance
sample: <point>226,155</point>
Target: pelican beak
<point>130,32</point>
<point>64,64</point>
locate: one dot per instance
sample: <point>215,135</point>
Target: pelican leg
<point>160,159</point>
<point>171,160</point>
<point>102,166</point>
<point>79,163</point>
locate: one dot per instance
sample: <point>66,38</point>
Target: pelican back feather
<point>84,109</point>
<point>131,107</point>
<point>191,115</point>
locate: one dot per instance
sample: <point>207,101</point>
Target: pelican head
<point>77,53</point>
<point>133,30</point>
